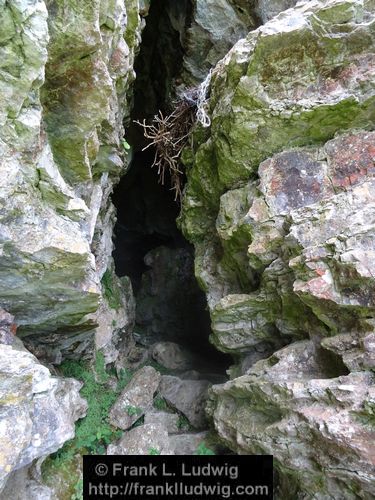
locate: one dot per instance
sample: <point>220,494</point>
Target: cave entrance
<point>149,248</point>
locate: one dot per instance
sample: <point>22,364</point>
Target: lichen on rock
<point>278,204</point>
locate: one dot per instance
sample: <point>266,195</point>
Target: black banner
<point>235,477</point>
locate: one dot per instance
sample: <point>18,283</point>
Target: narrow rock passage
<point>172,323</point>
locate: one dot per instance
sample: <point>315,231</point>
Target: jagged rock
<point>167,420</point>
<point>216,25</point>
<point>186,444</point>
<point>279,205</point>
<point>38,411</point>
<point>148,439</point>
<point>21,486</point>
<point>269,93</point>
<point>317,428</point>
<point>267,9</point>
<point>58,168</point>
<point>135,399</point>
<point>187,396</point>
<point>115,318</point>
<point>172,356</point>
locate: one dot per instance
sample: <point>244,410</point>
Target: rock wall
<point>66,68</point>
<point>279,206</point>
<point>38,411</point>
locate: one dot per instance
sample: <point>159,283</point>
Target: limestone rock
<point>135,399</point>
<point>317,428</point>
<point>270,93</point>
<point>267,9</point>
<point>171,356</point>
<point>20,486</point>
<point>71,61</point>
<point>186,444</point>
<point>216,26</point>
<point>279,205</point>
<point>148,439</point>
<point>187,396</point>
<point>167,420</point>
<point>38,411</point>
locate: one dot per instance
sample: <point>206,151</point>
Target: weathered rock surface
<point>148,439</point>
<point>60,152</point>
<point>209,28</point>
<point>135,399</point>
<point>317,428</point>
<point>20,486</point>
<point>172,356</point>
<point>267,9</point>
<point>186,444</point>
<point>279,205</point>
<point>167,420</point>
<point>38,411</point>
<point>187,396</point>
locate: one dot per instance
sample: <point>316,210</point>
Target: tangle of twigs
<point>171,133</point>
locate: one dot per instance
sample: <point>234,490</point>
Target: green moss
<point>160,404</point>
<point>203,450</point>
<point>111,290</point>
<point>93,432</point>
<point>183,423</point>
<point>133,410</point>
<point>154,451</point>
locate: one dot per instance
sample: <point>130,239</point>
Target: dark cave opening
<point>149,248</point>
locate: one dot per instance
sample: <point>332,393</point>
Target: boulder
<point>167,420</point>
<point>135,399</point>
<point>316,425</point>
<point>38,411</point>
<point>187,396</point>
<point>172,356</point>
<point>148,439</point>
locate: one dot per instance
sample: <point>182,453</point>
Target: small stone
<point>172,356</point>
<point>148,439</point>
<point>167,420</point>
<point>135,399</point>
<point>187,396</point>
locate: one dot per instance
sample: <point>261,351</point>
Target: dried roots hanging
<point>171,133</point>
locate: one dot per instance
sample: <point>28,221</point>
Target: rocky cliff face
<point>65,71</point>
<point>279,204</point>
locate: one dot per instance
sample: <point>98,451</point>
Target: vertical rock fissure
<point>149,248</point>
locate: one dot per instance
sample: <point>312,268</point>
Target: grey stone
<point>267,9</point>
<point>186,444</point>
<point>147,439</point>
<point>58,167</point>
<point>38,411</point>
<point>172,356</point>
<point>167,420</point>
<point>21,486</point>
<point>315,425</point>
<point>187,396</point>
<point>135,399</point>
